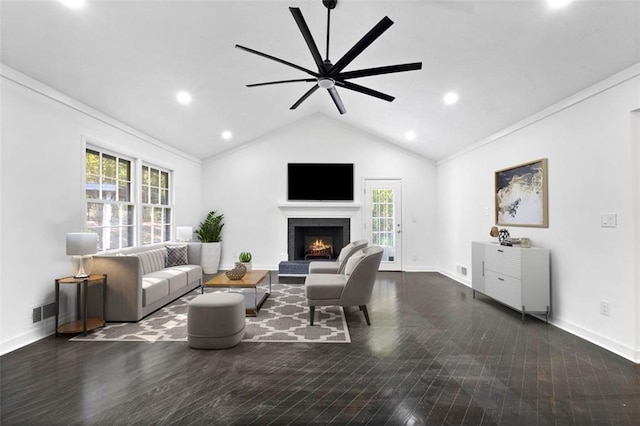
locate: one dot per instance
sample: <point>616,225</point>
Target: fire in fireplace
<point>318,248</point>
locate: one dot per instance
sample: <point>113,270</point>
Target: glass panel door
<point>382,221</point>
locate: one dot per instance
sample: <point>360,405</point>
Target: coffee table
<point>253,300</point>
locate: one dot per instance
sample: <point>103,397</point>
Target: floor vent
<point>36,314</point>
<point>43,312</point>
<point>462,270</point>
<point>49,310</point>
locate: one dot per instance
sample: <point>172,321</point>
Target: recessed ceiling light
<point>410,135</point>
<point>183,97</point>
<point>226,135</point>
<point>557,4</point>
<point>450,98</point>
<point>73,4</point>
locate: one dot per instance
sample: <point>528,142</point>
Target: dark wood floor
<point>433,355</point>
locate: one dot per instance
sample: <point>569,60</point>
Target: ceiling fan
<point>330,75</point>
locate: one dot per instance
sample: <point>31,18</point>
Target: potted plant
<point>209,233</point>
<point>245,258</point>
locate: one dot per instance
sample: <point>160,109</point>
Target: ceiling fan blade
<point>306,80</point>
<point>305,96</point>
<point>365,90</point>
<point>336,99</point>
<point>306,34</point>
<point>364,42</point>
<point>379,70</point>
<point>282,61</point>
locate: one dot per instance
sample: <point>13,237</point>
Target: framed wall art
<point>522,196</point>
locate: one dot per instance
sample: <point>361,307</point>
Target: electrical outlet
<point>605,308</point>
<point>461,270</point>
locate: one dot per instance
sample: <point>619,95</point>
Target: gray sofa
<point>141,280</point>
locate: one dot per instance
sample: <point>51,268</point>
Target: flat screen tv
<point>320,182</point>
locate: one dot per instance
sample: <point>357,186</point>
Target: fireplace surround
<point>313,214</point>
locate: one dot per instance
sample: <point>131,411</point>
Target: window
<point>113,210</point>
<point>110,207</point>
<point>156,210</point>
<point>382,217</point>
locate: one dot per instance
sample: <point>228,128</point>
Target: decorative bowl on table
<point>237,272</point>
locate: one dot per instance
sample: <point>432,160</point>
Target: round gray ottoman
<point>216,320</point>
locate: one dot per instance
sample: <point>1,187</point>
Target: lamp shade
<point>184,233</point>
<point>82,243</point>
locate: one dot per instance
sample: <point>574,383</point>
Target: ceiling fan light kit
<point>326,83</point>
<point>330,75</point>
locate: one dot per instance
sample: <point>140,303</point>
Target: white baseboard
<point>43,329</point>
<point>420,269</point>
<point>597,339</point>
<point>459,278</point>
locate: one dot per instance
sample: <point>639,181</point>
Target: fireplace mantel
<point>313,209</point>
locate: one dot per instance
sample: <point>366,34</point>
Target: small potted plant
<point>245,258</point>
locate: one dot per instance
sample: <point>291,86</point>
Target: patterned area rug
<point>284,317</point>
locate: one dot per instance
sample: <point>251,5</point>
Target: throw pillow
<point>152,260</point>
<point>177,255</point>
<point>353,261</point>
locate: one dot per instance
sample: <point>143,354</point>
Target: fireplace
<point>317,238</point>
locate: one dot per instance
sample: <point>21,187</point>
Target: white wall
<point>588,141</point>
<point>42,194</point>
<point>248,186</point>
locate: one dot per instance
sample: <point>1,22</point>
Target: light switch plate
<point>608,220</point>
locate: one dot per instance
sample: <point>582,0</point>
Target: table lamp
<point>81,245</point>
<point>184,233</point>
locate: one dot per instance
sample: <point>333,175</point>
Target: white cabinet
<point>517,277</point>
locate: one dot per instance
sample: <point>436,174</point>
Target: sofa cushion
<point>194,272</point>
<point>152,260</point>
<point>177,255</point>
<point>154,289</point>
<point>177,279</point>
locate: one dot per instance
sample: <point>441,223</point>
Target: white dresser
<point>517,277</point>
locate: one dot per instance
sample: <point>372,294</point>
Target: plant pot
<point>248,266</point>
<point>210,259</point>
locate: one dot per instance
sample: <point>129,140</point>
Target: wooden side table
<point>82,323</point>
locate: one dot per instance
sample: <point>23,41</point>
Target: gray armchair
<point>337,267</point>
<point>349,289</point>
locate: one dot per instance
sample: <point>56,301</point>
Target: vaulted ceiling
<point>506,60</point>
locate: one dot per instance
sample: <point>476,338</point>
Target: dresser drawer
<point>504,288</point>
<point>503,260</point>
